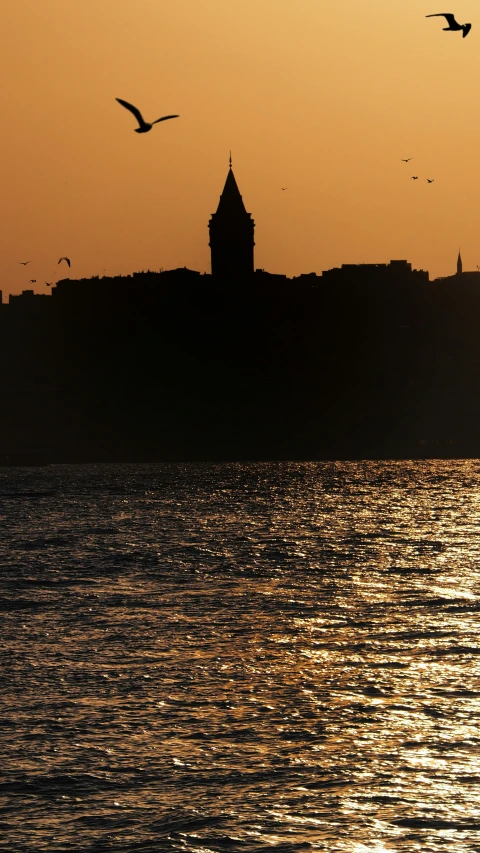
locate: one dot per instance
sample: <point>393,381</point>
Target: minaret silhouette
<point>459,264</point>
<point>231,233</point>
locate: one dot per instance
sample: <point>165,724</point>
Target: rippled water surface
<point>240,658</point>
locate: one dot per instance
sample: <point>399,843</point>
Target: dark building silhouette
<point>460,277</point>
<point>28,304</point>
<point>362,361</point>
<point>231,234</point>
<point>396,271</point>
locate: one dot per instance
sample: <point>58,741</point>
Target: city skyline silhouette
<point>231,240</point>
<point>334,323</point>
<point>369,360</point>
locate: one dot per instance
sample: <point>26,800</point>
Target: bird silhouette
<point>144,126</point>
<point>64,259</point>
<point>24,263</point>
<point>407,160</point>
<point>33,281</point>
<point>414,178</point>
<point>284,188</point>
<point>452,23</point>
<point>48,283</point>
<point>430,180</point>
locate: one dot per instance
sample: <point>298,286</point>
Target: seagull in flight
<point>430,180</point>
<point>407,160</point>
<point>144,126</point>
<point>64,259</point>
<point>24,263</point>
<point>452,23</point>
<point>414,178</point>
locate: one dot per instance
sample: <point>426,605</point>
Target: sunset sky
<point>321,96</point>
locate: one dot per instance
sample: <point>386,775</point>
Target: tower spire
<point>459,264</point>
<point>230,160</point>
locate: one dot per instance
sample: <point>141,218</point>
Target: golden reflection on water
<point>246,657</point>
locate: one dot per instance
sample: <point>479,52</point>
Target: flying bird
<point>33,281</point>
<point>24,263</point>
<point>407,160</point>
<point>64,259</point>
<point>144,126</point>
<point>284,188</point>
<point>414,178</point>
<point>48,283</point>
<point>430,180</point>
<point>452,23</point>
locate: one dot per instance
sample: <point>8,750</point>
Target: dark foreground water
<point>240,658</point>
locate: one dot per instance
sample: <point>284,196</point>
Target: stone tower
<point>231,233</point>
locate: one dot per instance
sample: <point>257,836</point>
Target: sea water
<point>240,657</point>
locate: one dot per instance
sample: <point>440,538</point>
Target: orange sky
<point>322,96</point>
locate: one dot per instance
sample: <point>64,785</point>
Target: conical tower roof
<point>459,264</point>
<point>231,201</point>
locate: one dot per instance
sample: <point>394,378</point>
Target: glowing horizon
<point>325,99</point>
